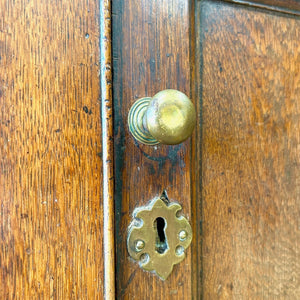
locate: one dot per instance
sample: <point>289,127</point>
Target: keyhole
<point>161,244</point>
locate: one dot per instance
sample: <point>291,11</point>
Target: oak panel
<point>250,90</point>
<point>50,150</point>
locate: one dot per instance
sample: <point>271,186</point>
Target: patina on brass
<point>167,118</point>
<point>146,245</point>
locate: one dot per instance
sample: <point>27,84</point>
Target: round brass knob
<point>167,118</point>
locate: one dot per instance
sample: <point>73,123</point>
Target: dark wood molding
<point>196,196</point>
<point>108,150</point>
<point>284,6</point>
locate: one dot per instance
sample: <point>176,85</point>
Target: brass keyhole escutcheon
<point>158,237</point>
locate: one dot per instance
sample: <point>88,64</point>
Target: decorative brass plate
<point>158,237</point>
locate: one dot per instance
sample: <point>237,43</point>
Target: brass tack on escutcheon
<point>168,118</point>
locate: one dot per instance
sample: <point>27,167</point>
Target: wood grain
<point>250,85</point>
<point>150,53</point>
<point>50,150</point>
<point>286,6</point>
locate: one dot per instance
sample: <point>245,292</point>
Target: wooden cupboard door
<point>238,177</point>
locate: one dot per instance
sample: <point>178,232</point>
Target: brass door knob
<point>167,118</point>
